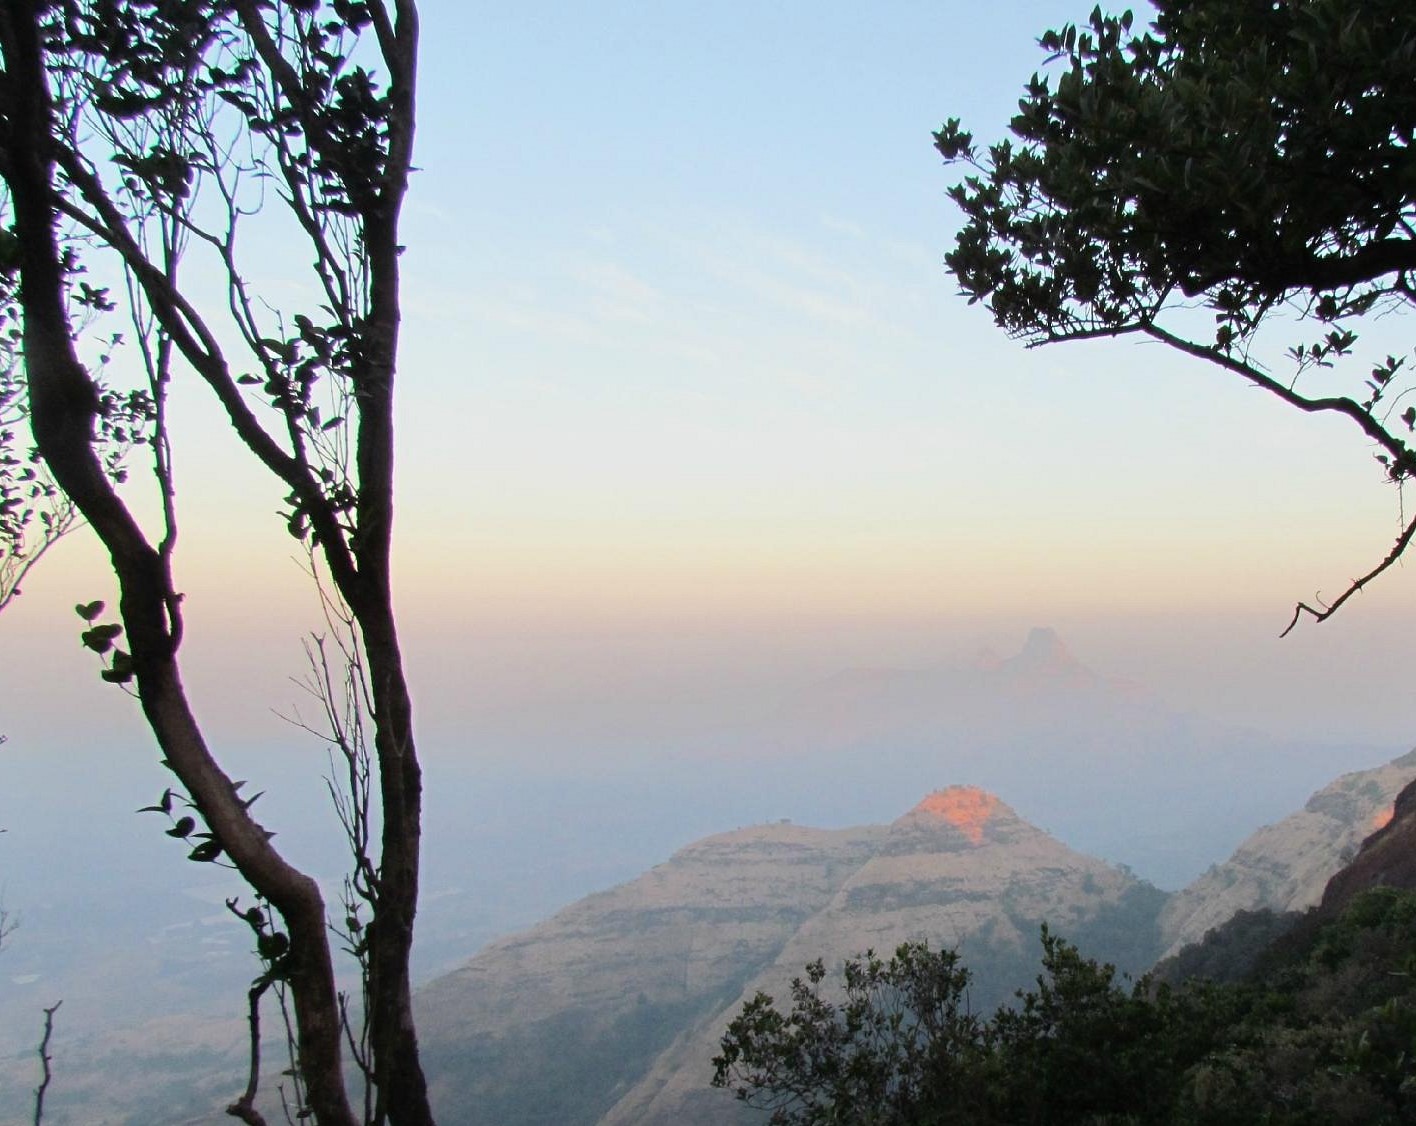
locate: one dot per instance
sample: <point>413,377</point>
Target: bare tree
<point>141,140</point>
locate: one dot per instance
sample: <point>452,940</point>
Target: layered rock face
<point>1285,866</point>
<point>612,1010</point>
<point>552,1025</point>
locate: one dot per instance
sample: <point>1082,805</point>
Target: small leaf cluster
<point>206,848</point>
<point>101,638</point>
<point>272,945</point>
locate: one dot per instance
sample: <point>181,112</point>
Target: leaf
<point>205,852</point>
<point>183,828</point>
<point>100,639</point>
<point>164,804</point>
<point>89,610</point>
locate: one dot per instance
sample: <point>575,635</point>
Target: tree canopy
<point>1250,158</point>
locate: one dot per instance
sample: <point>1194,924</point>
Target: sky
<point>692,414</point>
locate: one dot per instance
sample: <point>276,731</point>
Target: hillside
<point>610,1010</point>
<point>1285,866</point>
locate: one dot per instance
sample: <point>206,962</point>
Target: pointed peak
<point>1045,655</point>
<point>967,808</point>
<point>1044,643</point>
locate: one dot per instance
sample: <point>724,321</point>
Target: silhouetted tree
<point>141,141</point>
<point>1251,158</point>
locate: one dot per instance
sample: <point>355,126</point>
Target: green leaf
<point>89,610</point>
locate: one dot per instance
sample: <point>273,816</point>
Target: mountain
<point>1286,866</point>
<point>611,1010</point>
<point>1061,740</point>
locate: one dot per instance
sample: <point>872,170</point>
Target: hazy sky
<point>691,413</point>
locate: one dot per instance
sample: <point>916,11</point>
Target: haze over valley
<point>1098,762</point>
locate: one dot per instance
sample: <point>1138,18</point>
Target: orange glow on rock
<point>967,808</point>
<point>1383,818</point>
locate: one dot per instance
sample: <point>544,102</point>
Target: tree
<point>1252,158</point>
<point>140,141</point>
<point>901,1048</point>
<point>901,1045</point>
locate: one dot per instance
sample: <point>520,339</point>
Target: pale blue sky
<point>690,406</point>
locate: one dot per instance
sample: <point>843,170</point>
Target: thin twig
<point>44,1062</point>
<point>1357,584</point>
<point>244,1108</point>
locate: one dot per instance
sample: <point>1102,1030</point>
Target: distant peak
<point>1043,643</point>
<point>1044,654</point>
<point>967,808</point>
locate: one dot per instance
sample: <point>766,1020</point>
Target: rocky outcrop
<point>1285,866</point>
<point>1387,858</point>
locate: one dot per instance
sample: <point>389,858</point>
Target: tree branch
<point>1314,272</point>
<point>1350,408</point>
<point>244,1108</point>
<point>200,348</point>
<point>1357,584</point>
<point>44,1062</point>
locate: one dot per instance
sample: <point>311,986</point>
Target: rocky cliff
<point>1285,866</point>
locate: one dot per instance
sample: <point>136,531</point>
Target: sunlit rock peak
<point>966,808</point>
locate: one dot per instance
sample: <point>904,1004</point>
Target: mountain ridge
<point>693,937</point>
<point>624,995</point>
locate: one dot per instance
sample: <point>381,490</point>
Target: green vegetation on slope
<point>1321,1032</point>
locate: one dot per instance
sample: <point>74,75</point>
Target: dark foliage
<point>1324,1032</point>
<point>1250,159</point>
<point>1228,953</point>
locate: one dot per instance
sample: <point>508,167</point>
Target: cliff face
<point>612,1009</point>
<point>1285,866</point>
<point>1387,857</point>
